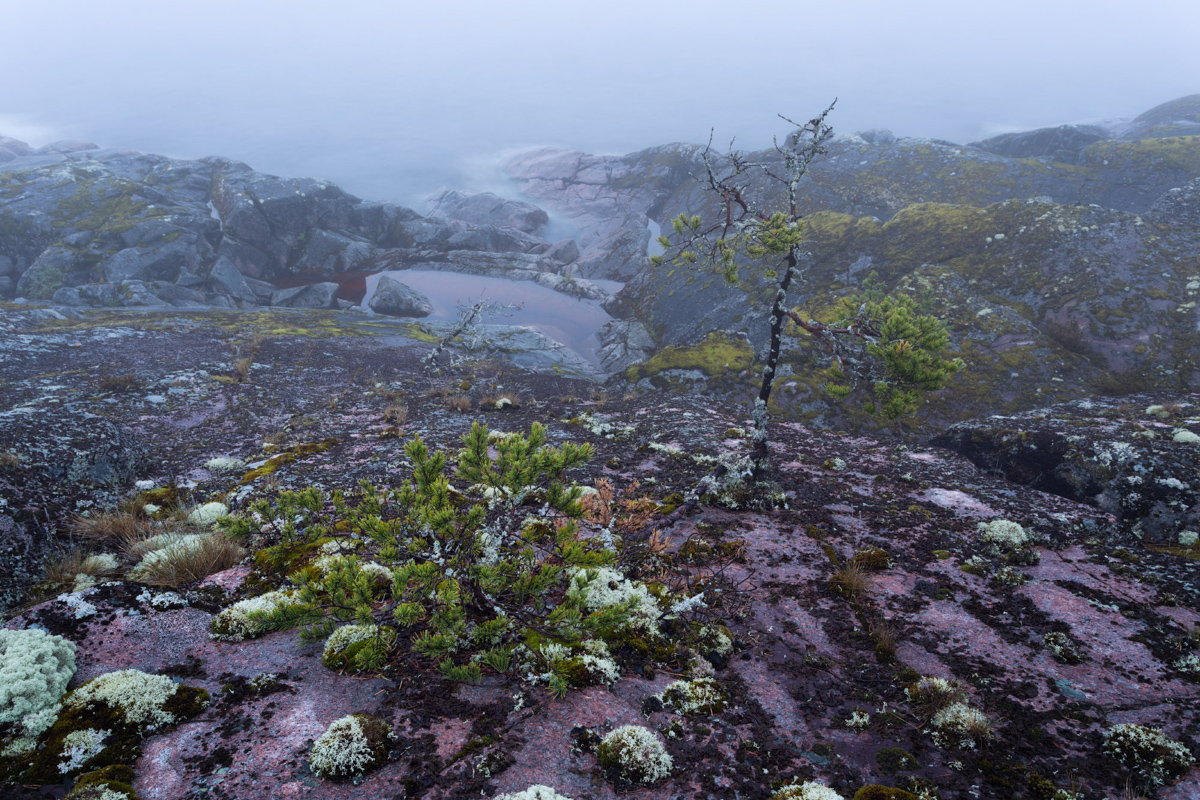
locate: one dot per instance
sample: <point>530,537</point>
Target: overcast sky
<point>393,99</point>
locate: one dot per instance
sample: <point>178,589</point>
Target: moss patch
<point>719,354</point>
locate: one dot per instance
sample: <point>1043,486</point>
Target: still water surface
<point>565,319</point>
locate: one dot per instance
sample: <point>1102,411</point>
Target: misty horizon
<point>392,103</point>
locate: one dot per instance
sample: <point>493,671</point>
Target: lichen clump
<point>35,669</point>
<point>350,747</point>
<point>606,588</point>
<point>535,792</point>
<point>141,697</point>
<point>959,725</point>
<point>1003,533</point>
<point>809,790</point>
<point>348,646</point>
<point>690,697</point>
<point>633,754</point>
<point>1149,752</point>
<point>240,620</point>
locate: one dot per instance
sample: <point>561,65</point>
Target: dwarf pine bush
<point>499,577</point>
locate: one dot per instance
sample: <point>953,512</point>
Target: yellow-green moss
<point>876,792</point>
<point>116,778</point>
<point>287,457</point>
<point>718,354</point>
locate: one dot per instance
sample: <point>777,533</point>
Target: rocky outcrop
<point>54,467</point>
<point>395,299</point>
<point>609,199</point>
<point>1042,613</point>
<point>1179,117</point>
<point>486,209</point>
<point>1136,458</point>
<point>1180,205</point>
<point>1063,144</point>
<point>72,217</point>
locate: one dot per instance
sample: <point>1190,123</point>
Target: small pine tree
<point>747,227</point>
<point>495,577</point>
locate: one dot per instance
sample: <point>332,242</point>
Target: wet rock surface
<point>1135,457</point>
<point>946,601</point>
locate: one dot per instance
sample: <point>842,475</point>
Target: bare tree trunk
<point>759,454</point>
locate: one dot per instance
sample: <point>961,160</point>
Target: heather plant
<point>498,577</point>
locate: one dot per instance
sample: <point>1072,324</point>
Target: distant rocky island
<point>205,370</point>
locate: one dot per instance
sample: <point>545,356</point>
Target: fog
<point>394,99</point>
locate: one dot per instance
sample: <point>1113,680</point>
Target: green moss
<point>288,557</point>
<point>719,354</point>
<point>1180,153</point>
<point>872,559</point>
<point>876,792</point>
<point>895,759</point>
<point>92,785</point>
<point>287,457</point>
<point>123,745</point>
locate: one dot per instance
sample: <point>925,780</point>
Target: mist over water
<point>393,100</point>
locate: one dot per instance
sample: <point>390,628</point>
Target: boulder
<point>315,295</point>
<point>397,300</point>
<point>623,343</point>
<point>11,149</point>
<point>65,146</point>
<point>1064,143</point>
<point>326,252</point>
<point>493,239</point>
<point>226,279</point>
<point>161,261</point>
<point>250,261</point>
<point>878,136</point>
<point>52,270</point>
<point>575,287</point>
<point>485,208</point>
<point>564,251</point>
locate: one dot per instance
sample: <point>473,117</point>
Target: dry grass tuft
<point>886,637</point>
<point>122,529</point>
<point>396,414</point>
<point>439,391</point>
<point>851,581</point>
<point>9,459</point>
<point>241,368</point>
<point>191,559</point>
<point>459,402</point>
<point>118,383</point>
